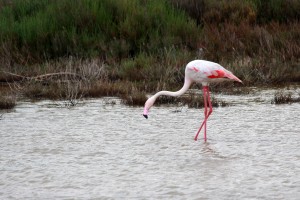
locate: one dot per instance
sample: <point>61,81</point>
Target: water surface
<point>102,150</point>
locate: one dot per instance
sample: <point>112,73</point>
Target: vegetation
<point>35,31</point>
<point>7,101</point>
<point>282,97</point>
<point>257,39</point>
<point>145,44</point>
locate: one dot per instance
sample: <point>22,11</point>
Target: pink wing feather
<point>211,70</point>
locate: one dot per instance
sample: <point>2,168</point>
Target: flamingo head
<point>149,103</point>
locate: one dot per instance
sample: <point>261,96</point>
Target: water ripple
<point>105,151</point>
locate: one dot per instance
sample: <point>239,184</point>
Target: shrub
<point>7,102</point>
<point>282,97</point>
<point>36,30</point>
<point>277,10</point>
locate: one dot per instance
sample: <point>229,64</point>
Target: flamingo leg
<point>205,110</point>
<point>206,98</point>
<point>209,103</point>
<point>204,121</point>
<point>209,112</point>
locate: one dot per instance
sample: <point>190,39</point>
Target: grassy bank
<point>34,31</point>
<point>145,44</point>
<point>258,39</point>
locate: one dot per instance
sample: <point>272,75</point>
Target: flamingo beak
<point>145,114</point>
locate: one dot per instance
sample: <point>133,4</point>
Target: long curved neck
<point>149,103</point>
<point>186,86</point>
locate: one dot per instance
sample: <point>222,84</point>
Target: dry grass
<point>7,102</point>
<point>135,99</point>
<point>152,41</point>
<point>127,91</point>
<point>93,79</point>
<point>196,101</point>
<point>282,97</point>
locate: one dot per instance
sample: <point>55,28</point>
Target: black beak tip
<point>146,116</point>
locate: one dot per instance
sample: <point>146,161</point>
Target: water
<point>102,150</point>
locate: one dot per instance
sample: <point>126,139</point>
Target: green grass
<point>41,30</point>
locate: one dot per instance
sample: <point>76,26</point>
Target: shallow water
<point>102,150</point>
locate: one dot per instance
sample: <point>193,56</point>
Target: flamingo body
<point>199,71</point>
<point>205,72</point>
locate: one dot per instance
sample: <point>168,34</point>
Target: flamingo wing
<point>210,71</point>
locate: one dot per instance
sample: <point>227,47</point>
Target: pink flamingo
<point>199,71</point>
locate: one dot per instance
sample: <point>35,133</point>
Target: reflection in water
<point>209,150</point>
<point>100,150</point>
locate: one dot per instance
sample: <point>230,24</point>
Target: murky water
<point>100,150</point>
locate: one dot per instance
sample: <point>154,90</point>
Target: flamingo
<point>198,71</point>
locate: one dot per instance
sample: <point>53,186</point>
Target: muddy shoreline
<point>13,92</point>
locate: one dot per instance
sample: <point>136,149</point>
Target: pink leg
<point>206,97</point>
<point>205,111</point>
<point>209,112</point>
<point>209,103</point>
